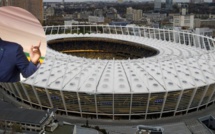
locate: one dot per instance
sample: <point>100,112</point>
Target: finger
<point>39,44</point>
<point>36,47</point>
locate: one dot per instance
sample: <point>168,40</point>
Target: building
<point>169,4</point>
<point>120,1</point>
<point>98,12</point>
<point>196,1</point>
<point>111,13</point>
<point>129,10</point>
<point>25,120</point>
<point>211,16</point>
<point>186,21</point>
<point>133,14</point>
<point>95,19</point>
<point>155,16</point>
<point>143,129</point>
<point>33,6</point>
<point>138,14</point>
<point>50,11</point>
<point>84,15</point>
<point>176,77</point>
<point>157,5</point>
<point>204,31</point>
<point>201,23</point>
<point>184,9</point>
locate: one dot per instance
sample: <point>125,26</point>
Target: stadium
<point>121,73</point>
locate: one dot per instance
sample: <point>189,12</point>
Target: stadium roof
<point>176,67</point>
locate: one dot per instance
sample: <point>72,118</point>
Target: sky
<point>113,0</point>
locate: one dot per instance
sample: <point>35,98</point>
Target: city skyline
<point>115,0</point>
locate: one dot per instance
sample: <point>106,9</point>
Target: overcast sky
<point>113,0</point>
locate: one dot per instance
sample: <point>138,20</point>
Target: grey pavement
<point>81,130</point>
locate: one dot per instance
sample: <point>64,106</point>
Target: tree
<point>16,128</point>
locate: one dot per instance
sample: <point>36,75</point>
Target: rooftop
<point>9,112</point>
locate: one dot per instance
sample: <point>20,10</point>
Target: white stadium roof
<point>175,67</point>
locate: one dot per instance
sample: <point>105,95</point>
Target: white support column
<point>90,29</point>
<point>71,30</point>
<point>79,103</point>
<point>213,42</point>
<point>199,41</point>
<point>46,27</point>
<point>179,38</point>
<point>144,31</point>
<point>206,82</point>
<point>64,29</point>
<point>174,38</point>
<point>11,88</point>
<point>26,93</point>
<point>211,68</point>
<point>84,27</point>
<point>178,102</point>
<point>163,105</point>
<point>103,29</point>
<point>149,33</point>
<point>58,29</point>
<point>203,96</point>
<point>35,93</point>
<point>113,107</point>
<point>113,89</point>
<point>169,35</point>
<point>128,31</point>
<point>131,98</point>
<point>115,29</point>
<point>184,38</point>
<point>95,98</point>
<point>188,34</point>
<point>49,98</point>
<point>203,42</point>
<point>159,32</point>
<point>191,99</point>
<point>209,43</point>
<point>51,29</point>
<point>155,37</point>
<point>164,34</point>
<point>211,96</point>
<point>147,106</point>
<point>134,31</point>
<point>96,29</point>
<point>109,30</point>
<point>139,32</point>
<point>122,30</point>
<point>194,41</point>
<point>20,96</point>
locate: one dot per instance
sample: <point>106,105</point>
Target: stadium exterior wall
<point>114,106</point>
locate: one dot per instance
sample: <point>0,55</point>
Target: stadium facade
<point>177,80</point>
